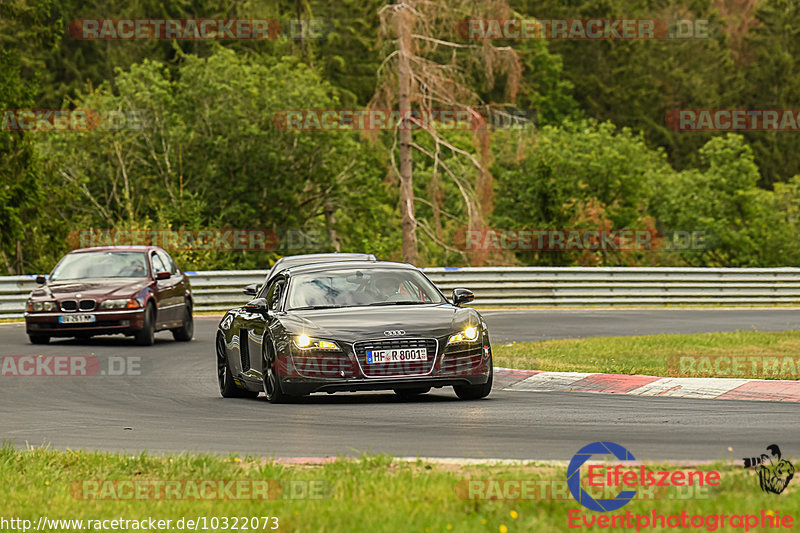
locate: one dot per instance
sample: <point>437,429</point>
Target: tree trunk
<point>330,221</point>
<point>19,259</point>
<point>409,224</point>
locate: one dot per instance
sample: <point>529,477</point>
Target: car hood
<point>359,323</point>
<point>95,288</point>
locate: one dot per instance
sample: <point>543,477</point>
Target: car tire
<point>147,335</point>
<point>272,381</point>
<point>476,392</point>
<point>409,394</point>
<point>39,339</point>
<point>186,331</point>
<point>227,387</point>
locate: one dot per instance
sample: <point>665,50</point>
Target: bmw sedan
<point>133,290</point>
<point>353,326</point>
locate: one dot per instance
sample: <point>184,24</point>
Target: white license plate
<point>76,319</point>
<point>397,355</point>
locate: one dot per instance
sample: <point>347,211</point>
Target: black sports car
<point>353,326</point>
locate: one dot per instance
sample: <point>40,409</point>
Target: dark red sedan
<point>132,290</point>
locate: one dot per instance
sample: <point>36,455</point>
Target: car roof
<point>291,261</point>
<point>338,265</point>
<point>324,258</point>
<point>128,248</point>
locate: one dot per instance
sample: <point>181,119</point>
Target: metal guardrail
<point>219,290</point>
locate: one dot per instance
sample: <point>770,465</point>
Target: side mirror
<point>258,305</point>
<point>163,275</point>
<point>251,290</point>
<point>41,280</point>
<point>462,296</point>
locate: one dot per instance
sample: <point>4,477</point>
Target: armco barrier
<point>218,290</point>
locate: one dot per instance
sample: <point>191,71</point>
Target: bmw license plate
<point>76,319</point>
<point>397,355</point>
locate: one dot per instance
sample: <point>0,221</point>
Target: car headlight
<point>38,307</point>
<point>470,334</point>
<point>123,303</point>
<point>304,342</point>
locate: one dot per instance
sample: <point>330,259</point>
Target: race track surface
<point>535,325</point>
<point>171,403</point>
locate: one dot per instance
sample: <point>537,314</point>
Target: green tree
<point>208,152</point>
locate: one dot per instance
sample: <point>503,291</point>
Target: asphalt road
<point>533,325</point>
<point>168,401</point>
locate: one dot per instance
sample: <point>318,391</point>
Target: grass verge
<point>372,493</point>
<point>652,354</point>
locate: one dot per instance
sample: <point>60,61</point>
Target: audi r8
<point>353,326</point>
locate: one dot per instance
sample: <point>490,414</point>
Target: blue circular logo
<point>574,476</point>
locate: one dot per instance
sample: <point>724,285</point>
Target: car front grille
<point>75,305</point>
<point>397,368</point>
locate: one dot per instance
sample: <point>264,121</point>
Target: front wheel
<point>227,387</point>
<point>186,331</point>
<point>39,339</point>
<point>272,382</point>
<point>147,335</point>
<point>476,392</point>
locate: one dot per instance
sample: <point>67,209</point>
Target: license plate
<point>76,319</point>
<point>397,355</point>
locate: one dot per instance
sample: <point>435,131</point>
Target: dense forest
<point>570,135</point>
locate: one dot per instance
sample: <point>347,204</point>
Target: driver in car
<point>390,288</point>
<point>134,268</point>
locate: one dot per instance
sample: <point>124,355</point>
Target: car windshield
<point>101,265</point>
<point>361,286</point>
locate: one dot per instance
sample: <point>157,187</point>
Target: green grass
<point>372,493</point>
<point>647,354</point>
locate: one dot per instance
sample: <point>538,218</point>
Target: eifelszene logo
<point>606,476</point>
<point>774,473</point>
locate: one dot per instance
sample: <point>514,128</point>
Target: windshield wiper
<point>315,307</point>
<point>401,302</point>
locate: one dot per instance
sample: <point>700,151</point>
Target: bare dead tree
<point>426,70</point>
